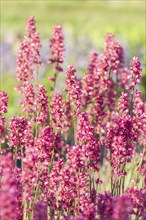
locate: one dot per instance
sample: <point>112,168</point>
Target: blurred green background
<point>85,24</point>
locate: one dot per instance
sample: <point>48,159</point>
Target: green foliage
<point>94,18</point>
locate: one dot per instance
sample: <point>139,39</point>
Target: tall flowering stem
<point>74,89</point>
<point>28,61</point>
<point>134,73</point>
<point>75,94</point>
<point>57,53</point>
<point>25,68</point>
<point>34,40</point>
<point>3,110</point>
<point>41,105</point>
<point>85,137</point>
<point>57,48</point>
<point>114,53</point>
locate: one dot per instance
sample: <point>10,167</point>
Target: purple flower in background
<point>122,208</point>
<point>40,210</point>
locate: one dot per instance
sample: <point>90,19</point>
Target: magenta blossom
<point>57,48</point>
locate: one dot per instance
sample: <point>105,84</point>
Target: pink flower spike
<point>3,102</point>
<point>74,89</point>
<point>57,48</point>
<point>34,39</point>
<point>24,70</point>
<point>135,73</point>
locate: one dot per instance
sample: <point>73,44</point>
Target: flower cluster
<point>24,69</point>
<point>34,40</point>
<point>79,154</point>
<point>114,53</point>
<point>3,109</point>
<point>88,82</point>
<point>113,208</point>
<point>27,102</point>
<point>46,142</point>
<point>40,211</point>
<point>20,132</point>
<point>2,123</point>
<point>85,137</point>
<point>139,116</point>
<point>119,142</point>
<point>135,73</point>
<point>74,89</point>
<point>3,102</point>
<point>57,48</point>
<point>8,192</point>
<point>57,111</point>
<point>41,104</point>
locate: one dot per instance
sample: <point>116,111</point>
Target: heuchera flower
<point>139,116</point>
<point>27,102</point>
<point>88,81</point>
<point>25,69</point>
<point>8,192</point>
<point>46,143</point>
<point>67,116</point>
<point>105,206</point>
<point>46,148</point>
<point>74,89</point>
<point>123,104</point>
<point>137,197</point>
<point>99,94</point>
<point>120,135</point>
<point>113,207</point>
<point>20,132</point>
<point>60,113</point>
<point>3,109</point>
<point>124,77</point>
<point>33,38</point>
<point>57,111</point>
<point>41,105</point>
<point>57,48</point>
<point>70,189</point>
<point>114,53</point>
<point>92,63</point>
<point>95,82</point>
<point>51,184</point>
<point>29,178</point>
<point>85,137</point>
<point>2,122</point>
<point>59,176</point>
<point>122,208</point>
<point>134,73</point>
<point>3,102</point>
<point>40,210</point>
